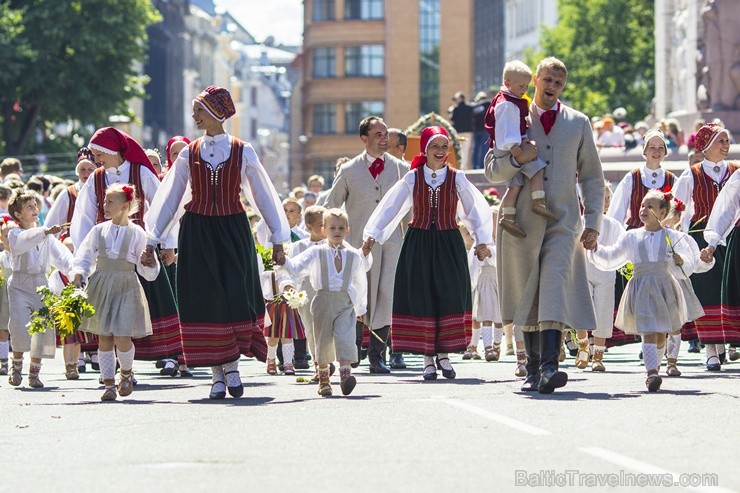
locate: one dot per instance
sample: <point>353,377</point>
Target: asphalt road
<point>603,432</point>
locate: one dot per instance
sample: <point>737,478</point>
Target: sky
<point>282,19</point>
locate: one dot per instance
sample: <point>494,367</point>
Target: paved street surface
<point>393,434</point>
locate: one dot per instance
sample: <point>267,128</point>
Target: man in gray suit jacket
<point>359,186</point>
<point>543,281</point>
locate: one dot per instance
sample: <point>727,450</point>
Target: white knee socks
<point>650,356</point>
<point>107,361</point>
<point>288,352</point>
<point>4,349</point>
<point>486,335</point>
<point>231,371</point>
<point>498,332</point>
<point>272,352</point>
<point>476,337</point>
<point>126,359</point>
<point>673,345</point>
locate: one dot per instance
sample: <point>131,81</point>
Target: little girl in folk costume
<point>33,250</point>
<point>110,252</point>
<point>681,273</point>
<point>285,324</point>
<point>653,303</point>
<point>432,297</point>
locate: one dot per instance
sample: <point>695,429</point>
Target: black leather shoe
<point>551,380</point>
<point>531,383</point>
<point>449,374</point>
<point>397,362</point>
<point>301,364</point>
<point>237,391</point>
<point>430,375</point>
<point>714,365</point>
<point>379,367</point>
<point>694,346</point>
<point>217,395</point>
<point>722,357</point>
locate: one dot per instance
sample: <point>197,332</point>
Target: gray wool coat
<point>543,277</point>
<point>356,190</point>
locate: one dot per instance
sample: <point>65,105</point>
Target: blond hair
<point>516,67</point>
<point>293,200</point>
<point>551,63</point>
<point>335,212</point>
<point>314,214</point>
<point>133,204</point>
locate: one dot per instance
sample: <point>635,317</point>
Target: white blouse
<point>174,192</point>
<point>627,249</point>
<point>309,262</point>
<point>58,211</point>
<point>620,204</point>
<point>86,256</point>
<point>86,207</point>
<point>472,207</point>
<point>683,189</point>
<point>610,232</point>
<point>725,213</point>
<point>33,251</point>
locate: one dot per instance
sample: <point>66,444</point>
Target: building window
<point>429,37</point>
<point>323,10</point>
<point>253,96</point>
<point>364,61</point>
<point>325,168</point>
<point>324,119</point>
<point>363,9</point>
<point>324,63</point>
<point>355,112</point>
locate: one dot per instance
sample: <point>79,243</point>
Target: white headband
<point>434,137</point>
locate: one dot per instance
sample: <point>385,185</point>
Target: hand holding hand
<point>77,281</point>
<point>167,256</point>
<point>367,246</point>
<point>147,257</point>
<point>482,252</point>
<point>707,254</point>
<point>589,239</point>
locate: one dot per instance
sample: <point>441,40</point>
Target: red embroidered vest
<point>434,209</point>
<point>490,120</point>
<point>134,179</point>
<point>72,193</point>
<point>706,191</point>
<point>216,192</point>
<point>639,190</point>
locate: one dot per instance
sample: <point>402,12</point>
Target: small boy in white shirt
<point>338,274</point>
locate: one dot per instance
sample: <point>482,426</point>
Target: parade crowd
<point>193,260</point>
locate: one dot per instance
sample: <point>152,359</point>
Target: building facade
<point>524,20</point>
<point>489,44</point>
<point>396,59</point>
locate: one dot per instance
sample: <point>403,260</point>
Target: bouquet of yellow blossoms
<point>63,312</point>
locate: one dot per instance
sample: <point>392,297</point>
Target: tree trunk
<point>16,133</point>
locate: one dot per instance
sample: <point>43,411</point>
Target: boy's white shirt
<point>308,263</point>
<point>507,128</point>
<point>41,250</point>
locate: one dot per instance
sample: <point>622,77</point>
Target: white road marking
<point>645,468</point>
<point>499,418</point>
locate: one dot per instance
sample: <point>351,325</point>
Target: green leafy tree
<point>609,49</point>
<point>69,60</point>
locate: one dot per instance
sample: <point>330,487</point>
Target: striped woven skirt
<point>708,288</point>
<point>432,302</point>
<point>165,341</point>
<point>218,288</point>
<point>286,321</point>
<point>730,307</point>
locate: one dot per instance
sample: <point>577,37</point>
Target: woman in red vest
<point>698,187</point>
<point>432,299</point>
<point>218,286</point>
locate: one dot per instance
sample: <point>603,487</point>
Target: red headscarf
<point>176,138</point>
<point>426,136</point>
<point>706,136</point>
<point>111,140</point>
<point>217,102</point>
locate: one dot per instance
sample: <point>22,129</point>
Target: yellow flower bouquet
<point>63,313</point>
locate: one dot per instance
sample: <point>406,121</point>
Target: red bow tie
<point>547,119</point>
<point>377,167</point>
